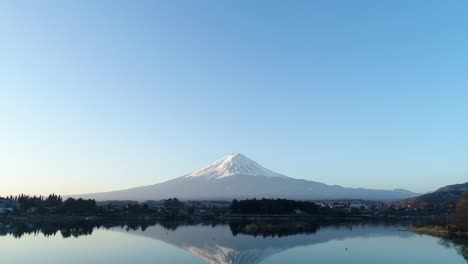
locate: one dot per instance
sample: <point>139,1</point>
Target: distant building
<point>298,212</point>
<point>357,206</point>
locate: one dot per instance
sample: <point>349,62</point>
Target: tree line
<point>272,206</point>
<point>54,204</point>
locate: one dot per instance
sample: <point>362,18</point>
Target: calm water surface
<point>356,243</point>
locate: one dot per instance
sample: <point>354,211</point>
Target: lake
<point>225,243</point>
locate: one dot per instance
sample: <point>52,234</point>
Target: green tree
<point>53,201</point>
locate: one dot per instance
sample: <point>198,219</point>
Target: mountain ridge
<point>238,177</point>
<point>445,196</point>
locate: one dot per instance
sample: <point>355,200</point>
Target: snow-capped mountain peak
<point>234,164</point>
<point>238,177</point>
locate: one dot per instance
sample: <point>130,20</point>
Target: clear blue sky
<point>103,95</point>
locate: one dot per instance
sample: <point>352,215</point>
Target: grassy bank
<point>440,231</point>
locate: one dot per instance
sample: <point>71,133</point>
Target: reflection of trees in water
<point>76,228</point>
<point>173,225</point>
<point>82,227</point>
<point>67,228</point>
<point>76,232</point>
<point>458,243</point>
<point>273,228</point>
<point>282,228</point>
<point>170,225</point>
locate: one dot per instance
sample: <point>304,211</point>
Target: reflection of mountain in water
<point>217,244</point>
<point>236,242</point>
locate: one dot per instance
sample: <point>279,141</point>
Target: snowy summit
<point>234,164</point>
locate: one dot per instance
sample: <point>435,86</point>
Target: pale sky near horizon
<point>106,95</point>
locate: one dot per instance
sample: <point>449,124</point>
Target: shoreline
<point>438,231</point>
<point>221,218</point>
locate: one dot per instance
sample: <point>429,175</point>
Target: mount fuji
<point>238,177</point>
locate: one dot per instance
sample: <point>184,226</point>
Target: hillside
<point>443,197</point>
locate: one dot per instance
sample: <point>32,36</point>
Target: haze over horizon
<point>96,96</point>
